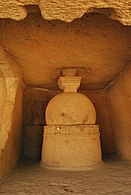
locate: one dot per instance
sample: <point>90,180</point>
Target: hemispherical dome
<point>70,109</point>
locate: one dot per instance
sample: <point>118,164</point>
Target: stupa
<point>71,137</point>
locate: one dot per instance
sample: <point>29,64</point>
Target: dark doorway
<point>34,111</point>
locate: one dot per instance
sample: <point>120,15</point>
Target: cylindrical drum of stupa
<point>71,138</point>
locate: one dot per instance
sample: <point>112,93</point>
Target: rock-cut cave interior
<point>65,97</point>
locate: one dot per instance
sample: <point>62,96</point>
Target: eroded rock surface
<point>113,178</point>
<point>67,10</point>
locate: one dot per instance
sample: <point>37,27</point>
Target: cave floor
<point>113,177</point>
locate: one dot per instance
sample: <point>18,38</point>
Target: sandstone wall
<point>98,98</point>
<point>119,102</point>
<point>11,152</point>
<point>2,95</point>
<point>66,10</point>
<point>94,44</point>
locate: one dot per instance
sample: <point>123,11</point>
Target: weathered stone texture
<point>10,133</point>
<point>74,147</point>
<point>10,111</point>
<point>12,9</point>
<point>113,179</point>
<point>69,10</point>
<point>66,10</point>
<point>119,104</point>
<point>98,46</point>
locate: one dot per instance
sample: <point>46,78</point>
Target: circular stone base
<point>71,147</point>
<point>87,168</point>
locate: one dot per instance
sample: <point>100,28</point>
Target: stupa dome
<point>70,109</point>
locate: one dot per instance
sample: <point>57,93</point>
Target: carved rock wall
<point>11,112</point>
<point>11,87</point>
<point>98,46</point>
<point>66,10</point>
<point>119,103</point>
<point>10,135</point>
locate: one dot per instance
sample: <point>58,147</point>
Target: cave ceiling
<point>97,46</point>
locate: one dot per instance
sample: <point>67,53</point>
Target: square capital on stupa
<point>69,83</point>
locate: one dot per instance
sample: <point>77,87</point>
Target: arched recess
<point>11,94</point>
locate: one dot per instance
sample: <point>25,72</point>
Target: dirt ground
<point>113,177</point>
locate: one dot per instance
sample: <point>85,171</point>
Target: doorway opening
<point>33,124</point>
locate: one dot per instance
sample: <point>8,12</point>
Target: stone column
<point>71,138</point>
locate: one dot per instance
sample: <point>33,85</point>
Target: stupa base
<point>74,147</point>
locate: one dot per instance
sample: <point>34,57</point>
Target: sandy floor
<point>114,177</point>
